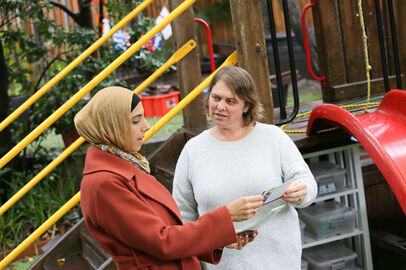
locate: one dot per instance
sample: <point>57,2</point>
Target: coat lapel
<point>150,187</point>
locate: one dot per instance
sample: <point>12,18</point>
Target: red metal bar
<point>209,42</point>
<point>306,44</point>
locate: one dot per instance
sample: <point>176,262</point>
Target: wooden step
<point>69,263</point>
<point>91,249</point>
<point>76,249</point>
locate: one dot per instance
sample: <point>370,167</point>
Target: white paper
<point>275,192</point>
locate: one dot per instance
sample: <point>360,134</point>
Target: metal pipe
<point>394,44</point>
<point>276,59</point>
<point>72,65</point>
<point>209,42</point>
<point>292,67</point>
<point>306,44</point>
<point>176,57</point>
<point>382,45</point>
<point>93,83</point>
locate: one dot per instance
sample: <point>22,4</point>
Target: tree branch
<point>75,16</point>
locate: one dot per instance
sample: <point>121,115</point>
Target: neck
<point>229,135</point>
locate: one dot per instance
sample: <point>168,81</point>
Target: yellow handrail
<point>95,81</point>
<point>176,57</point>
<point>231,60</point>
<point>72,65</point>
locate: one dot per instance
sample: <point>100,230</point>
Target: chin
<point>135,149</point>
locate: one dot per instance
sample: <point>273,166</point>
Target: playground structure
<point>369,128</point>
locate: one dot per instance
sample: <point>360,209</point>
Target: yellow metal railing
<point>94,82</point>
<point>72,65</point>
<point>176,57</point>
<point>231,60</point>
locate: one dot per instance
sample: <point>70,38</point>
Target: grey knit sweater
<point>212,173</point>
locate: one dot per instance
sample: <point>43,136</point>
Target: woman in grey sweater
<point>240,157</point>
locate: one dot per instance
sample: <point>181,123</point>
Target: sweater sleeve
<point>182,190</point>
<point>131,219</point>
<point>295,168</point>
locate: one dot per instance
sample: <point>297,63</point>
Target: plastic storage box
<point>159,105</point>
<point>333,256</point>
<point>328,218</point>
<point>330,178</point>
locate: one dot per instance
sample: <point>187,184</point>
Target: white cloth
<point>167,31</point>
<point>211,173</point>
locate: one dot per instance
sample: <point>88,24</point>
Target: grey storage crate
<point>333,256</point>
<point>327,219</point>
<point>330,178</point>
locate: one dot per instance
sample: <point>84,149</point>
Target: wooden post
<point>251,49</point>
<point>189,73</point>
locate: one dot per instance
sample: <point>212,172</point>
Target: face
<point>225,108</point>
<point>139,126</point>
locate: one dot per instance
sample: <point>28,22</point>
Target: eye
<point>136,120</point>
<point>215,98</point>
<point>231,101</point>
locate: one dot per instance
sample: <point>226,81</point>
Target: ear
<point>246,108</point>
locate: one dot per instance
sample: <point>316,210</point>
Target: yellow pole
<point>176,57</point>
<point>41,175</point>
<point>231,60</point>
<point>93,83</point>
<point>41,230</point>
<point>72,65</point>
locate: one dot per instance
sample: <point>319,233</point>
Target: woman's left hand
<point>242,240</point>
<point>295,193</point>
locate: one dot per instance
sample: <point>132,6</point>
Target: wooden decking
<point>325,139</point>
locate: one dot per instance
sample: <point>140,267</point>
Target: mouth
<point>219,115</point>
<point>140,139</point>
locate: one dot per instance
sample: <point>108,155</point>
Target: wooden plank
<point>251,49</point>
<point>373,39</point>
<point>359,89</point>
<point>329,49</point>
<point>401,27</point>
<point>188,69</point>
<point>352,41</point>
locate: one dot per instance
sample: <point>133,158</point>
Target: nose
<point>146,125</point>
<point>220,105</point>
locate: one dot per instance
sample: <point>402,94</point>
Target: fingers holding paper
<point>245,207</point>
<point>295,193</point>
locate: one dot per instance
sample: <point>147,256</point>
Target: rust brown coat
<point>136,220</point>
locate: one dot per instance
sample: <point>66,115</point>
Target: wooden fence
<point>341,51</point>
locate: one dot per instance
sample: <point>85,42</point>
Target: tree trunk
<point>5,138</point>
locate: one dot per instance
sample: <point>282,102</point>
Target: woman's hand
<point>295,193</point>
<point>245,207</point>
<point>242,240</point>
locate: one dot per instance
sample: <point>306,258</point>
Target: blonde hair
<point>243,86</point>
<point>106,118</point>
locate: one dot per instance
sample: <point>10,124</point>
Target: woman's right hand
<point>245,207</point>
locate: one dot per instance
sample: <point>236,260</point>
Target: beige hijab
<point>106,118</point>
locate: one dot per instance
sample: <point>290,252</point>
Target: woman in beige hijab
<point>127,210</point>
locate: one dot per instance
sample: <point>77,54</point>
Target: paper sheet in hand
<point>275,193</point>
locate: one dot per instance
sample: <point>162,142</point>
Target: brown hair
<point>106,118</point>
<point>243,86</point>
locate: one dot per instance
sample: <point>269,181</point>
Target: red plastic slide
<point>381,133</point>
